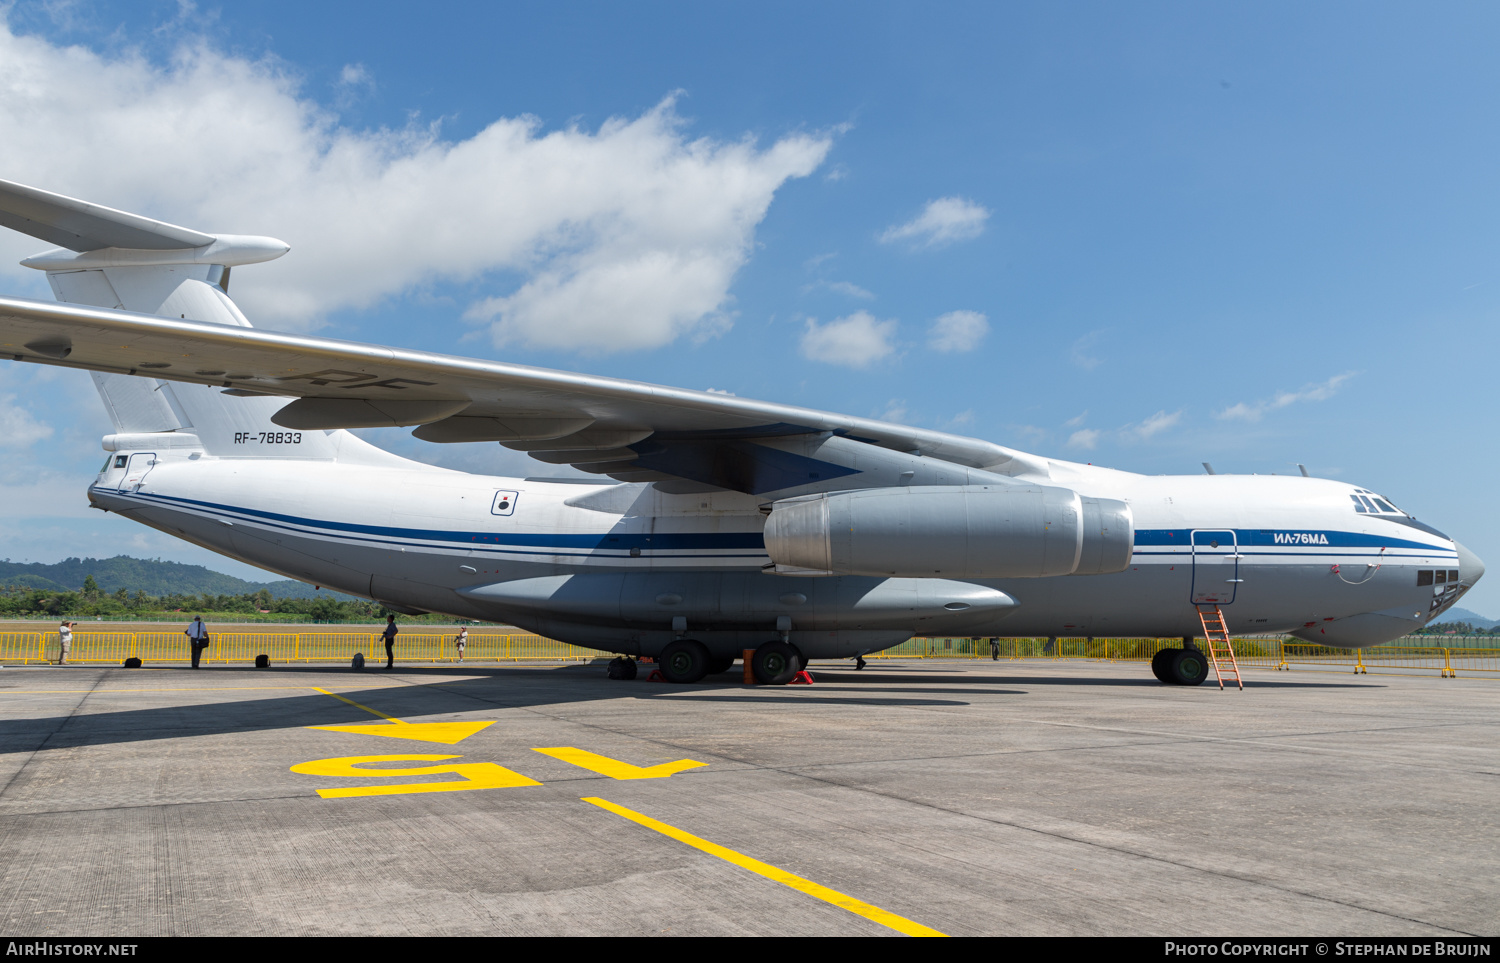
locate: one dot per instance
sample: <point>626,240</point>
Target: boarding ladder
<point>1220,647</point>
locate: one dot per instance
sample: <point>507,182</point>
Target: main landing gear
<point>1185,666</point>
<point>688,660</point>
<point>776,662</point>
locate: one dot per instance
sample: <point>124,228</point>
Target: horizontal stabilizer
<point>81,226</point>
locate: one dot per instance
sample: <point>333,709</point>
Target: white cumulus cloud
<point>858,340</point>
<point>1154,425</point>
<point>1319,391</point>
<point>957,331</point>
<point>625,236</point>
<point>18,426</point>
<point>1085,438</point>
<point>942,221</point>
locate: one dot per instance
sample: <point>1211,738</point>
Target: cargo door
<point>1216,566</point>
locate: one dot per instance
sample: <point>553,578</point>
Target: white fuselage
<point>627,568</point>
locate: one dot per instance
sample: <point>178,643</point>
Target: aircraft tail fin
<point>113,259</point>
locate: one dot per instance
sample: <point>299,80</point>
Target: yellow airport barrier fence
<point>1265,653</point>
<point>22,648</point>
<point>1261,653</point>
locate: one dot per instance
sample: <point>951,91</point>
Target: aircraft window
<point>120,461</point>
<point>1442,576</point>
<point>1452,575</point>
<point>1369,505</point>
<point>1424,577</point>
<point>1386,506</point>
<point>1359,506</point>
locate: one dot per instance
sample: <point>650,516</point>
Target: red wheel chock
<point>802,678</point>
<point>655,676</point>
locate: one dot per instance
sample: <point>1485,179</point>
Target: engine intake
<point>977,531</point>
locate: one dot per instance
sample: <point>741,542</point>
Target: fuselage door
<point>1216,566</point>
<point>140,465</point>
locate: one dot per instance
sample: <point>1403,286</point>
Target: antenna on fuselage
<point>1303,469</point>
<point>1209,468</point>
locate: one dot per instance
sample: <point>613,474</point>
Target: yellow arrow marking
<point>843,901</point>
<point>447,733</point>
<point>475,775</point>
<point>615,769</point>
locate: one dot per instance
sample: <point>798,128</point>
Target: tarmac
<point>965,798</point>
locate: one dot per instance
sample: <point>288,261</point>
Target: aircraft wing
<point>603,425</point>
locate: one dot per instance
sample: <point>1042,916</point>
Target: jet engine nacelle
<point>978,531</point>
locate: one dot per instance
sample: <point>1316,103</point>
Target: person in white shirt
<point>197,634</point>
<point>461,641</point>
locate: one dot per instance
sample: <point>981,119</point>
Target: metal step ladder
<point>1220,647</point>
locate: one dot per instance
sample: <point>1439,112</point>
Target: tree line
<point>19,601</point>
<point>1456,628</point>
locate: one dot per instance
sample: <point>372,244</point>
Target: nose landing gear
<point>1185,666</point>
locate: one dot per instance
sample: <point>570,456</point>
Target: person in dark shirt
<point>390,641</point>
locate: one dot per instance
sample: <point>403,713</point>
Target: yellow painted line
<point>373,712</point>
<point>885,918</point>
<point>218,688</point>
<point>614,768</point>
<point>447,733</point>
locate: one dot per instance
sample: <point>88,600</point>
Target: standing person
<point>461,641</point>
<point>390,641</point>
<point>65,632</point>
<point>197,634</point>
<point>994,650</point>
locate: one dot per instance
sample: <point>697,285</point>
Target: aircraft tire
<point>1159,665</point>
<point>719,663</point>
<point>683,661</point>
<point>621,668</point>
<point>1188,667</point>
<point>775,663</point>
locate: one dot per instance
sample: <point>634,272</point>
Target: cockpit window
<point>1368,503</point>
<point>120,461</point>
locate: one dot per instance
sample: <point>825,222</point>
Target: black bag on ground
<point>132,663</point>
<point>358,662</point>
<point>262,661</point>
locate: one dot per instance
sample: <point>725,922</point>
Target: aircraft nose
<point>1470,568</point>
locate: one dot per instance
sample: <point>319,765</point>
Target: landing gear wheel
<point>621,668</point>
<point>775,663</point>
<point>1188,667</point>
<point>683,661</point>
<point>1159,663</point>
<point>719,663</point>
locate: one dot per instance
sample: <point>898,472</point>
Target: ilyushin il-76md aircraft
<point>713,524</point>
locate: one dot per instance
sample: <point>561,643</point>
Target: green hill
<point>152,576</point>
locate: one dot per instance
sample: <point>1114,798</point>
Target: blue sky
<point>1144,235</point>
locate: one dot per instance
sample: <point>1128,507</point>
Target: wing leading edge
<point>624,429</point>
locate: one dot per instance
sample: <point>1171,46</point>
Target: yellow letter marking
<point>475,775</point>
<point>447,733</point>
<point>615,769</point>
<point>885,918</point>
